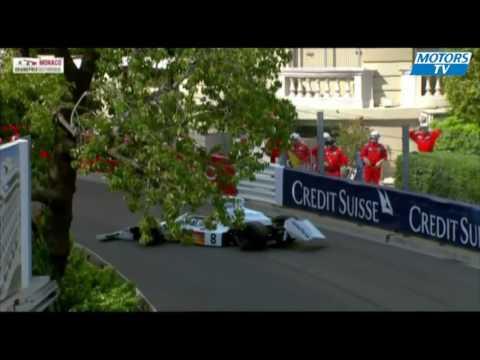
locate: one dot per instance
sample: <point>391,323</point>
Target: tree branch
<point>188,73</point>
<point>72,130</point>
<point>70,70</point>
<point>165,88</point>
<point>115,154</point>
<point>80,77</point>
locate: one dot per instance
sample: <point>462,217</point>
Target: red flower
<point>44,154</point>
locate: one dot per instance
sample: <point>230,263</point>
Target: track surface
<point>349,274</point>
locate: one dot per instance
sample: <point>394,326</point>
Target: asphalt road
<point>349,274</point>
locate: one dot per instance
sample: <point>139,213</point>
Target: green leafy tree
<point>458,136</point>
<point>352,136</point>
<point>146,116</point>
<point>42,105</point>
<point>463,92</point>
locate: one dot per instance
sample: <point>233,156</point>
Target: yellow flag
<point>294,160</point>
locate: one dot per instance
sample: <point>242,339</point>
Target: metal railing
<point>260,189</point>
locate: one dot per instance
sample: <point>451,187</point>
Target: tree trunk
<point>60,219</point>
<point>64,176</point>
<point>63,179</point>
<point>58,238</point>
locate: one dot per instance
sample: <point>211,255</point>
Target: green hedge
<point>445,174</point>
<point>85,286</point>
<point>458,136</point>
<point>463,92</point>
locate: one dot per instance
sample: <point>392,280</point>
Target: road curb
<point>100,261</point>
<point>94,177</point>
<point>381,236</point>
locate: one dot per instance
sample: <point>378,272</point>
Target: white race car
<point>258,231</point>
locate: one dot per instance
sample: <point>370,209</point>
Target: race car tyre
<point>156,234</point>
<point>253,237</point>
<point>279,230</point>
<point>158,237</point>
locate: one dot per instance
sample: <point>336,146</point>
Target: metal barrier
<point>262,188</point>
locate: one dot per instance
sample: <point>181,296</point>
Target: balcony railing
<point>422,91</point>
<point>328,87</point>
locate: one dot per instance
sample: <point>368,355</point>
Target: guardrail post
<point>320,142</point>
<point>283,159</point>
<point>405,157</point>
<point>279,185</point>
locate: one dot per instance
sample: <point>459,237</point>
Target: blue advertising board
<point>427,216</point>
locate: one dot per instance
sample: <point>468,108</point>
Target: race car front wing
<point>303,230</point>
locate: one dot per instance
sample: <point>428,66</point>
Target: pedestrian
<point>334,157</point>
<point>424,137</point>
<point>373,155</point>
<point>272,149</point>
<point>299,154</point>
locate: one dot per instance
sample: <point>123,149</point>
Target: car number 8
<point>213,238</point>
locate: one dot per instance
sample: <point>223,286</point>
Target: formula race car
<point>259,230</point>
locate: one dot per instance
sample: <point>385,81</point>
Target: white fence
<point>18,291</point>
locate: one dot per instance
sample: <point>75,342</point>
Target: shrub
<point>445,174</point>
<point>352,136</point>
<point>458,136</point>
<point>463,92</point>
<point>85,286</point>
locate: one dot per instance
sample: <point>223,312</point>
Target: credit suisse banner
<point>427,216</point>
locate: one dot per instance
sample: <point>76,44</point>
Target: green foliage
<point>352,136</point>
<point>41,264</point>
<point>448,175</point>
<point>30,100</point>
<point>148,115</point>
<point>146,224</point>
<point>463,92</point>
<point>85,286</point>
<point>458,136</point>
<point>159,110</point>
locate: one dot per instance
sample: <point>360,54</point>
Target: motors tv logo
<point>441,63</point>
